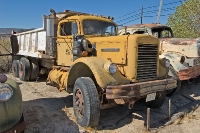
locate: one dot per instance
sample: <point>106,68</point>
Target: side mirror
<point>3,78</point>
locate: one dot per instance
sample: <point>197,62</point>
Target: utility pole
<point>159,11</point>
<point>141,15</point>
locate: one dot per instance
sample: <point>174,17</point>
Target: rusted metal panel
<point>42,41</point>
<point>33,47</point>
<point>137,90</point>
<point>33,43</point>
<point>191,72</point>
<point>187,47</point>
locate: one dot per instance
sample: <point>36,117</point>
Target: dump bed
<point>38,42</point>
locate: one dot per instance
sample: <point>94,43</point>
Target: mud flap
<point>14,44</point>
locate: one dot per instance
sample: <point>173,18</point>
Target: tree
<point>185,22</point>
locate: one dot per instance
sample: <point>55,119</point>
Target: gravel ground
<point>47,110</point>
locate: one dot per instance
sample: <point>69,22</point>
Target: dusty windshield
<point>162,32</point>
<point>97,27</point>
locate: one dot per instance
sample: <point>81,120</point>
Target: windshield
<point>92,27</point>
<point>162,32</point>
<point>132,31</point>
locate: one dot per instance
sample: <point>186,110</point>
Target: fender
<point>11,110</point>
<point>175,60</point>
<point>93,67</point>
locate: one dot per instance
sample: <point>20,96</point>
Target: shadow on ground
<point>183,100</point>
<point>49,114</point>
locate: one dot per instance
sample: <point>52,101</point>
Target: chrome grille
<point>147,61</point>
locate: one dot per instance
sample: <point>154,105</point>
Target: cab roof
<point>80,15</point>
<point>148,25</point>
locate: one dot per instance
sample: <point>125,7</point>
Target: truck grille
<point>147,61</point>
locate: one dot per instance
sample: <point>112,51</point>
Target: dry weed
<point>5,61</point>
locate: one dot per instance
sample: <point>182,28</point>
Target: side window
<point>110,30</point>
<point>155,34</point>
<point>166,33</point>
<point>68,28</point>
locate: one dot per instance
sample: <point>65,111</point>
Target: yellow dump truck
<point>183,53</point>
<point>82,54</point>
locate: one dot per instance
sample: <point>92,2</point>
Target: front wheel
<point>86,102</point>
<point>159,100</point>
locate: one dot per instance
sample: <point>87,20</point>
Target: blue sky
<point>28,13</point>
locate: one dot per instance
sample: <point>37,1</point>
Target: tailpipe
<point>53,13</point>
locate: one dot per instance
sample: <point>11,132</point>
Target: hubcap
<point>79,103</point>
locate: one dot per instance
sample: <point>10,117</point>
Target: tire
<point>34,69</point>
<point>159,100</point>
<point>15,68</point>
<point>86,99</point>
<point>24,69</point>
<point>197,80</point>
<point>173,73</point>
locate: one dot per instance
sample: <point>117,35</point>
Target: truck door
<point>66,30</point>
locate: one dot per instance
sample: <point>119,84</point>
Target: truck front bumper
<point>138,90</point>
<point>18,128</point>
<point>191,72</point>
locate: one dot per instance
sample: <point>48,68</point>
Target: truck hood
<point>111,47</point>
<point>116,47</point>
<point>188,47</point>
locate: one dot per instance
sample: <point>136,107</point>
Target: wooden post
<point>148,118</point>
<point>169,109</point>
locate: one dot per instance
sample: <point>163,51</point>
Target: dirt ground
<point>47,110</point>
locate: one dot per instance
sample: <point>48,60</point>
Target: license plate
<point>151,97</point>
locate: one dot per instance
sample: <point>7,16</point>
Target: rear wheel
<point>15,68</point>
<point>173,73</point>
<point>159,100</point>
<point>24,69</point>
<point>86,102</point>
<point>34,69</point>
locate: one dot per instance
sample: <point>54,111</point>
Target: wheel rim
<point>79,103</point>
<point>20,69</point>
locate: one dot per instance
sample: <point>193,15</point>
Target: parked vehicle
<point>82,54</point>
<point>11,117</point>
<point>183,53</point>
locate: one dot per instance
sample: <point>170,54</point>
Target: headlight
<point>167,63</point>
<point>112,68</point>
<point>5,92</point>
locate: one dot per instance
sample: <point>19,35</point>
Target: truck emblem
<point>110,50</point>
